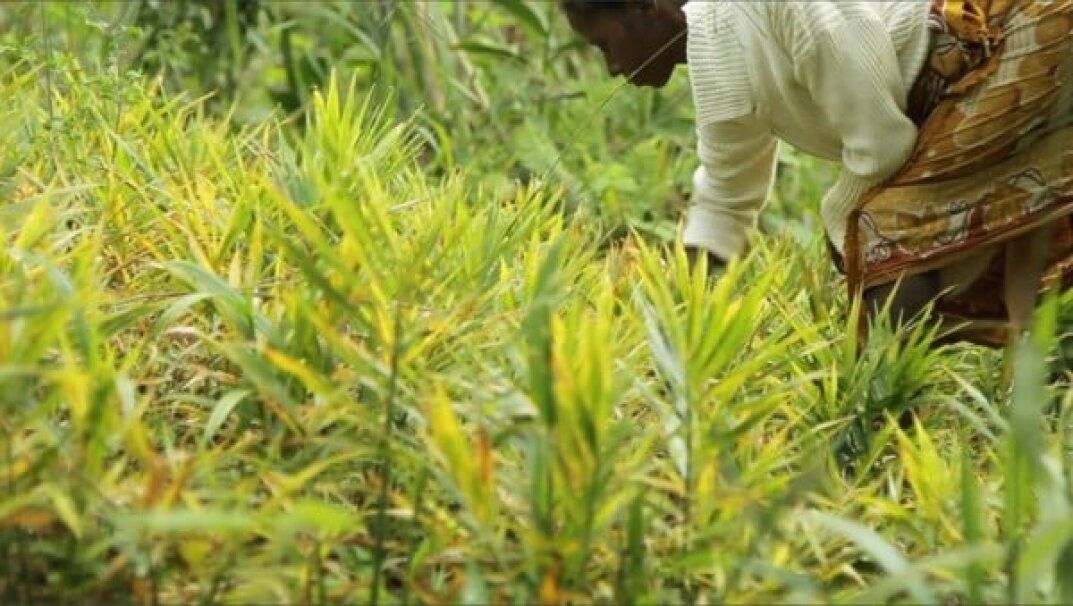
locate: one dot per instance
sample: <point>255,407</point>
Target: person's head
<point>640,39</point>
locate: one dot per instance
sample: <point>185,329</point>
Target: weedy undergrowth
<point>280,360</point>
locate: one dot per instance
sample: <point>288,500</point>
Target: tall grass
<point>286,360</point>
<point>484,82</point>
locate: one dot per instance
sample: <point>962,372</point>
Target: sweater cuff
<point>722,234</point>
<point>839,202</point>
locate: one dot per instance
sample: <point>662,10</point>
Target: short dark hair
<point>596,6</point>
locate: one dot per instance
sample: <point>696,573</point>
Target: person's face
<point>631,39</point>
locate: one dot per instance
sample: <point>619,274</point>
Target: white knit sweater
<point>829,77</point>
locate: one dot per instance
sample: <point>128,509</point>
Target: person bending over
<point>950,120</point>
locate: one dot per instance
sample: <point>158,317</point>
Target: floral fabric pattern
<point>994,158</point>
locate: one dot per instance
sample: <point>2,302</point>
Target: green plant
<point>331,359</point>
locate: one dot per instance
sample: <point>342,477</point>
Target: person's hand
<point>716,264</point>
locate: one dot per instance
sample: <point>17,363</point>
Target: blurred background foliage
<point>500,88</point>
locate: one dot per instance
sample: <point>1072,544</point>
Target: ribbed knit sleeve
<point>851,71</point>
<point>718,75</point>
<point>737,167</point>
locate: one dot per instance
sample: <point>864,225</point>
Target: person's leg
<point>914,293</point>
<point>908,297</point>
<point>1026,259</point>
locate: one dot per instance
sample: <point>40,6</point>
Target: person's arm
<point>852,73</point>
<point>731,185</point>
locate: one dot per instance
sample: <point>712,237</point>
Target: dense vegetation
<point>378,302</point>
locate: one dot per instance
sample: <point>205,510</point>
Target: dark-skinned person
<point>952,122</point>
